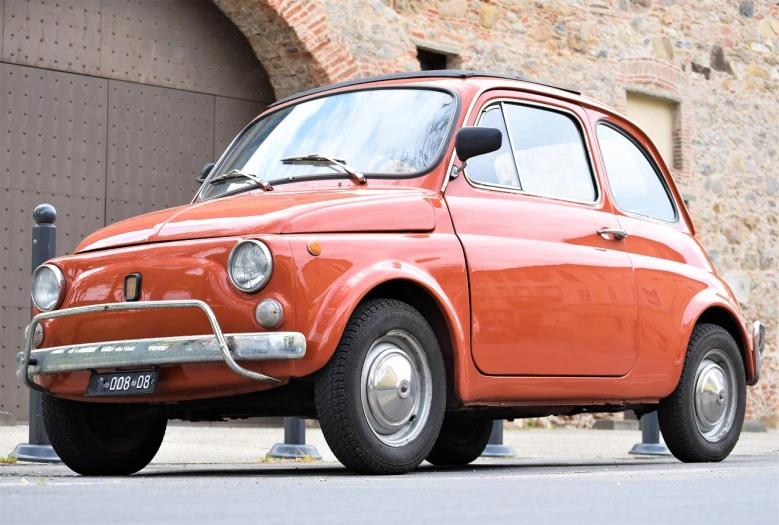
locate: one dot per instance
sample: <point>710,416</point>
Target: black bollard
<point>495,447</point>
<point>294,446</point>
<point>44,247</point>
<point>650,438</point>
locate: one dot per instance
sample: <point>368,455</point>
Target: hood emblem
<point>132,287</point>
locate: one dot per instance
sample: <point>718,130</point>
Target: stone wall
<point>717,59</point>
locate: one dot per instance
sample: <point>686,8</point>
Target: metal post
<point>495,447</point>
<point>650,438</point>
<point>44,247</point>
<point>294,446</point>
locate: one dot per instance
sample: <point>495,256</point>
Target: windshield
<point>379,132</point>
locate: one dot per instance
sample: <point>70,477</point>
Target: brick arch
<point>292,40</point>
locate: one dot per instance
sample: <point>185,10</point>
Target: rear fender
<point>702,305</point>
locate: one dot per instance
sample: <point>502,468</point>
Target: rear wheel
<point>461,440</point>
<point>102,439</point>
<point>701,420</point>
<point>380,399</point>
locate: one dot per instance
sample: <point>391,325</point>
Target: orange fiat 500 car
<point>404,258</point>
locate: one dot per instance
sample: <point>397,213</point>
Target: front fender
<point>331,285</point>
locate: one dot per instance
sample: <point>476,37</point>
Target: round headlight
<point>48,287</point>
<point>250,266</point>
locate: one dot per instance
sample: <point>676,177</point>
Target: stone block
<point>757,71</point>
<point>489,16</point>
<point>663,48</point>
<point>718,60</point>
<point>740,282</point>
<point>7,419</point>
<point>765,29</point>
<point>747,9</point>
<point>754,426</point>
<point>453,9</point>
<point>615,424</point>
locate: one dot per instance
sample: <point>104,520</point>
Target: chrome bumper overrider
<point>214,348</point>
<point>758,343</point>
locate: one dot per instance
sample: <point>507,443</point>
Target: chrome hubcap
<point>396,388</point>
<point>715,395</point>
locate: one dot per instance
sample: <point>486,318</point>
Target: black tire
<point>339,401</point>
<point>461,440</point>
<point>100,439</point>
<point>677,413</point>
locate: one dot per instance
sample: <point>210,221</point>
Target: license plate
<point>123,383</point>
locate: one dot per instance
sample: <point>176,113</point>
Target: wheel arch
<point>403,282</point>
<point>423,300</point>
<point>724,315</point>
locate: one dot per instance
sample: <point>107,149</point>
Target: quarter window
<point>496,167</point>
<point>635,184</point>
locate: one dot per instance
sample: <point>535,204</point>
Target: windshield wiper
<point>238,174</point>
<point>316,158</point>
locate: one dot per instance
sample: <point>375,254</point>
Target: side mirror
<point>472,141</point>
<point>204,174</point>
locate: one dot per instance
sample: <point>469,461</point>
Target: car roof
<point>442,73</point>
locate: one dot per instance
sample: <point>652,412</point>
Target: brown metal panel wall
<point>55,34</point>
<point>77,216</point>
<point>2,24</point>
<point>158,140</point>
<point>102,150</point>
<point>183,44</point>
<point>13,396</point>
<point>53,131</point>
<point>232,116</point>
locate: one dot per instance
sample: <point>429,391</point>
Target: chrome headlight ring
<point>250,265</point>
<point>50,276</point>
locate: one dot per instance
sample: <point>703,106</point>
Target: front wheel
<point>701,420</point>
<point>102,439</point>
<point>380,399</point>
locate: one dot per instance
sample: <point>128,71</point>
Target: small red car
<point>404,258</point>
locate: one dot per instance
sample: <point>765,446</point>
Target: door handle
<point>616,234</point>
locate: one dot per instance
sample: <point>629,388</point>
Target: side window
<point>496,167</point>
<point>550,154</point>
<point>635,184</point>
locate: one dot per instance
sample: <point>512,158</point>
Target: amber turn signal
<point>314,248</point>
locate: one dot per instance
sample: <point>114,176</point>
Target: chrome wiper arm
<point>238,174</point>
<point>316,158</point>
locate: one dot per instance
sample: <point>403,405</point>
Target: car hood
<point>258,212</point>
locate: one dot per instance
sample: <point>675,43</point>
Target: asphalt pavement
<point>221,479</point>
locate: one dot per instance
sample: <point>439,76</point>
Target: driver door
<point>550,296</point>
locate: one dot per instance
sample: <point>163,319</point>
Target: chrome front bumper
<point>758,343</point>
<point>219,347</point>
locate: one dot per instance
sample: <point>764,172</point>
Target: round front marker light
<point>250,266</point>
<point>269,313</point>
<point>47,288</point>
<point>37,337</point>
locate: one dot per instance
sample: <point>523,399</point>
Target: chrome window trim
<point>448,174</point>
<point>511,141</point>
<point>658,172</point>
<point>511,189</point>
<point>271,108</point>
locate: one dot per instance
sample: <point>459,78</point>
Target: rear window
<point>635,184</point>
